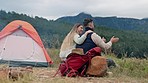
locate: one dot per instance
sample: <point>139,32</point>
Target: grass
<point>130,67</point>
<point>54,55</point>
<point>129,70</point>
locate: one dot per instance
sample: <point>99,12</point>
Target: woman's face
<point>80,29</point>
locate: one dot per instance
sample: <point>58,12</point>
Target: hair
<point>86,21</point>
<point>68,41</point>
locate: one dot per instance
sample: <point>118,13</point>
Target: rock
<point>17,73</point>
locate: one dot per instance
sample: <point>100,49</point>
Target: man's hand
<point>114,40</point>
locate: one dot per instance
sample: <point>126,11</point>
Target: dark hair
<point>86,21</point>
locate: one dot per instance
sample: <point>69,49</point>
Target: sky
<point>54,9</point>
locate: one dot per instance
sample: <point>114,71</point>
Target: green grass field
<point>129,70</point>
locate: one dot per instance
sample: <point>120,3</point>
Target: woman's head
<point>80,29</point>
<point>77,28</point>
<point>69,39</point>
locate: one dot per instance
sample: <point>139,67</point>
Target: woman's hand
<point>89,31</point>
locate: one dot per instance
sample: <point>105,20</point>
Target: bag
<point>72,64</point>
<point>97,66</point>
<point>75,64</point>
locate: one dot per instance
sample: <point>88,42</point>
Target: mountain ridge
<point>112,22</point>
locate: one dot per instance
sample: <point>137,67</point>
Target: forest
<point>132,43</point>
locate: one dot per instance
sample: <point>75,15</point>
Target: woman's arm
<point>80,39</point>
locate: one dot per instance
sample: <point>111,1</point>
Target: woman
<point>73,38</point>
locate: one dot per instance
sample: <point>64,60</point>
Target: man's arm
<point>99,42</point>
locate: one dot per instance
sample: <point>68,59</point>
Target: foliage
<point>132,43</point>
<point>54,55</point>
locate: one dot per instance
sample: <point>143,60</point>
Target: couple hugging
<point>86,40</point>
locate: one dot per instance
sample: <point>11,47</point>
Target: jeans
<point>110,63</point>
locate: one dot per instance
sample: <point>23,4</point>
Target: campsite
<point>29,55</point>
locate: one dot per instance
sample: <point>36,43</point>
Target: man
<point>94,40</point>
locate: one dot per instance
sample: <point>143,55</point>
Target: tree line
<point>131,44</point>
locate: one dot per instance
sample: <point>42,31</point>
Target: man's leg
<point>110,63</point>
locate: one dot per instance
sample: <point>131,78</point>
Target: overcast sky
<point>53,9</point>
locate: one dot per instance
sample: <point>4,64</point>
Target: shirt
<point>77,40</point>
<point>99,42</point>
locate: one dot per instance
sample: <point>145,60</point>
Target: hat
<point>97,66</point>
<point>78,51</point>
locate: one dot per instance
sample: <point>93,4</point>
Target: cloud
<point>53,9</point>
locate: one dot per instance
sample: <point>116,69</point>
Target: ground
<point>46,75</point>
<point>129,70</point>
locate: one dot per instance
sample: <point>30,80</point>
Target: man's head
<point>88,23</point>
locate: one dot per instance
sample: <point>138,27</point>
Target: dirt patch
<point>46,75</point>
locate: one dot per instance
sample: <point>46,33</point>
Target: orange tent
<point>21,32</point>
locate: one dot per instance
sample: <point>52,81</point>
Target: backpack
<point>97,67</point>
<point>76,64</point>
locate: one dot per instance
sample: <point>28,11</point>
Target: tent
<point>20,45</point>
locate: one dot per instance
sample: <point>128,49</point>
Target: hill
<point>111,22</point>
<point>132,41</point>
